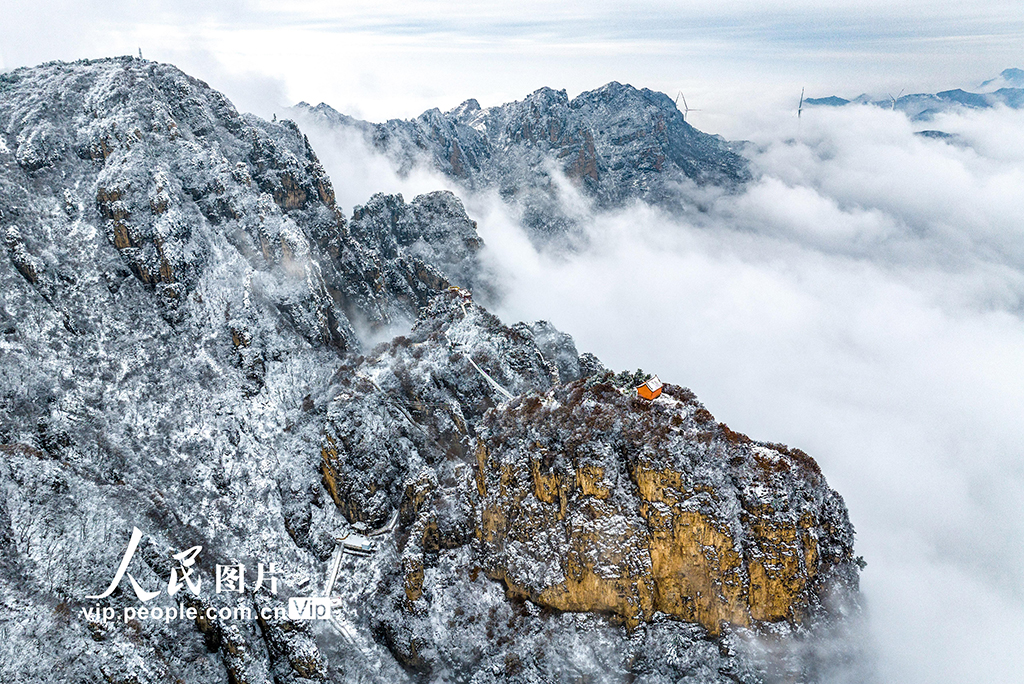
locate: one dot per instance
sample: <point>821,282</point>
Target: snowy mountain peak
<point>616,144</point>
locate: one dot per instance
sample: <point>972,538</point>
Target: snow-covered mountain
<point>183,316</point>
<point>616,144</point>
<point>1005,90</point>
<point>1007,78</point>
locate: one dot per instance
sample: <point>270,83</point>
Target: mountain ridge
<point>615,144</point>
<point>1006,90</point>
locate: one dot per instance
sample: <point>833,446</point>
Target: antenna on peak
<point>686,109</point>
<point>140,53</point>
<point>895,99</point>
<point>800,107</point>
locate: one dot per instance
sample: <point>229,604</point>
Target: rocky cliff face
<point>433,228</point>
<point>181,310</point>
<point>595,500</point>
<point>575,496</point>
<point>616,144</point>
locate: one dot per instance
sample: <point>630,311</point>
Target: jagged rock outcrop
<point>176,287</point>
<point>170,169</point>
<point>417,402</point>
<point>599,501</point>
<point>575,495</point>
<point>433,228</point>
<point>616,144</point>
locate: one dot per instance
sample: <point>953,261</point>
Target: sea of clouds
<point>862,299</point>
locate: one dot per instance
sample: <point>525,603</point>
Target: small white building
<point>358,545</point>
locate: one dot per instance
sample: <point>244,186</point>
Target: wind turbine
<point>894,99</point>
<point>686,109</point>
<point>800,107</point>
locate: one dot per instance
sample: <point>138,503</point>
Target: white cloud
<point>359,171</point>
<point>400,58</point>
<point>863,301</point>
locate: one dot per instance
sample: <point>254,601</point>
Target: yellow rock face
<point>589,480</point>
<point>290,195</point>
<point>778,577</point>
<point>329,472</point>
<point>630,549</point>
<point>697,574</point>
<point>413,578</point>
<point>584,591</point>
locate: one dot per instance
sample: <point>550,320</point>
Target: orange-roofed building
<point>650,390</point>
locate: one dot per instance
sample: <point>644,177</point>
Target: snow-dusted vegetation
<point>186,320</point>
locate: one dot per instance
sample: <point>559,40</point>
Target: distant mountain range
<point>616,144</point>
<point>1007,89</point>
